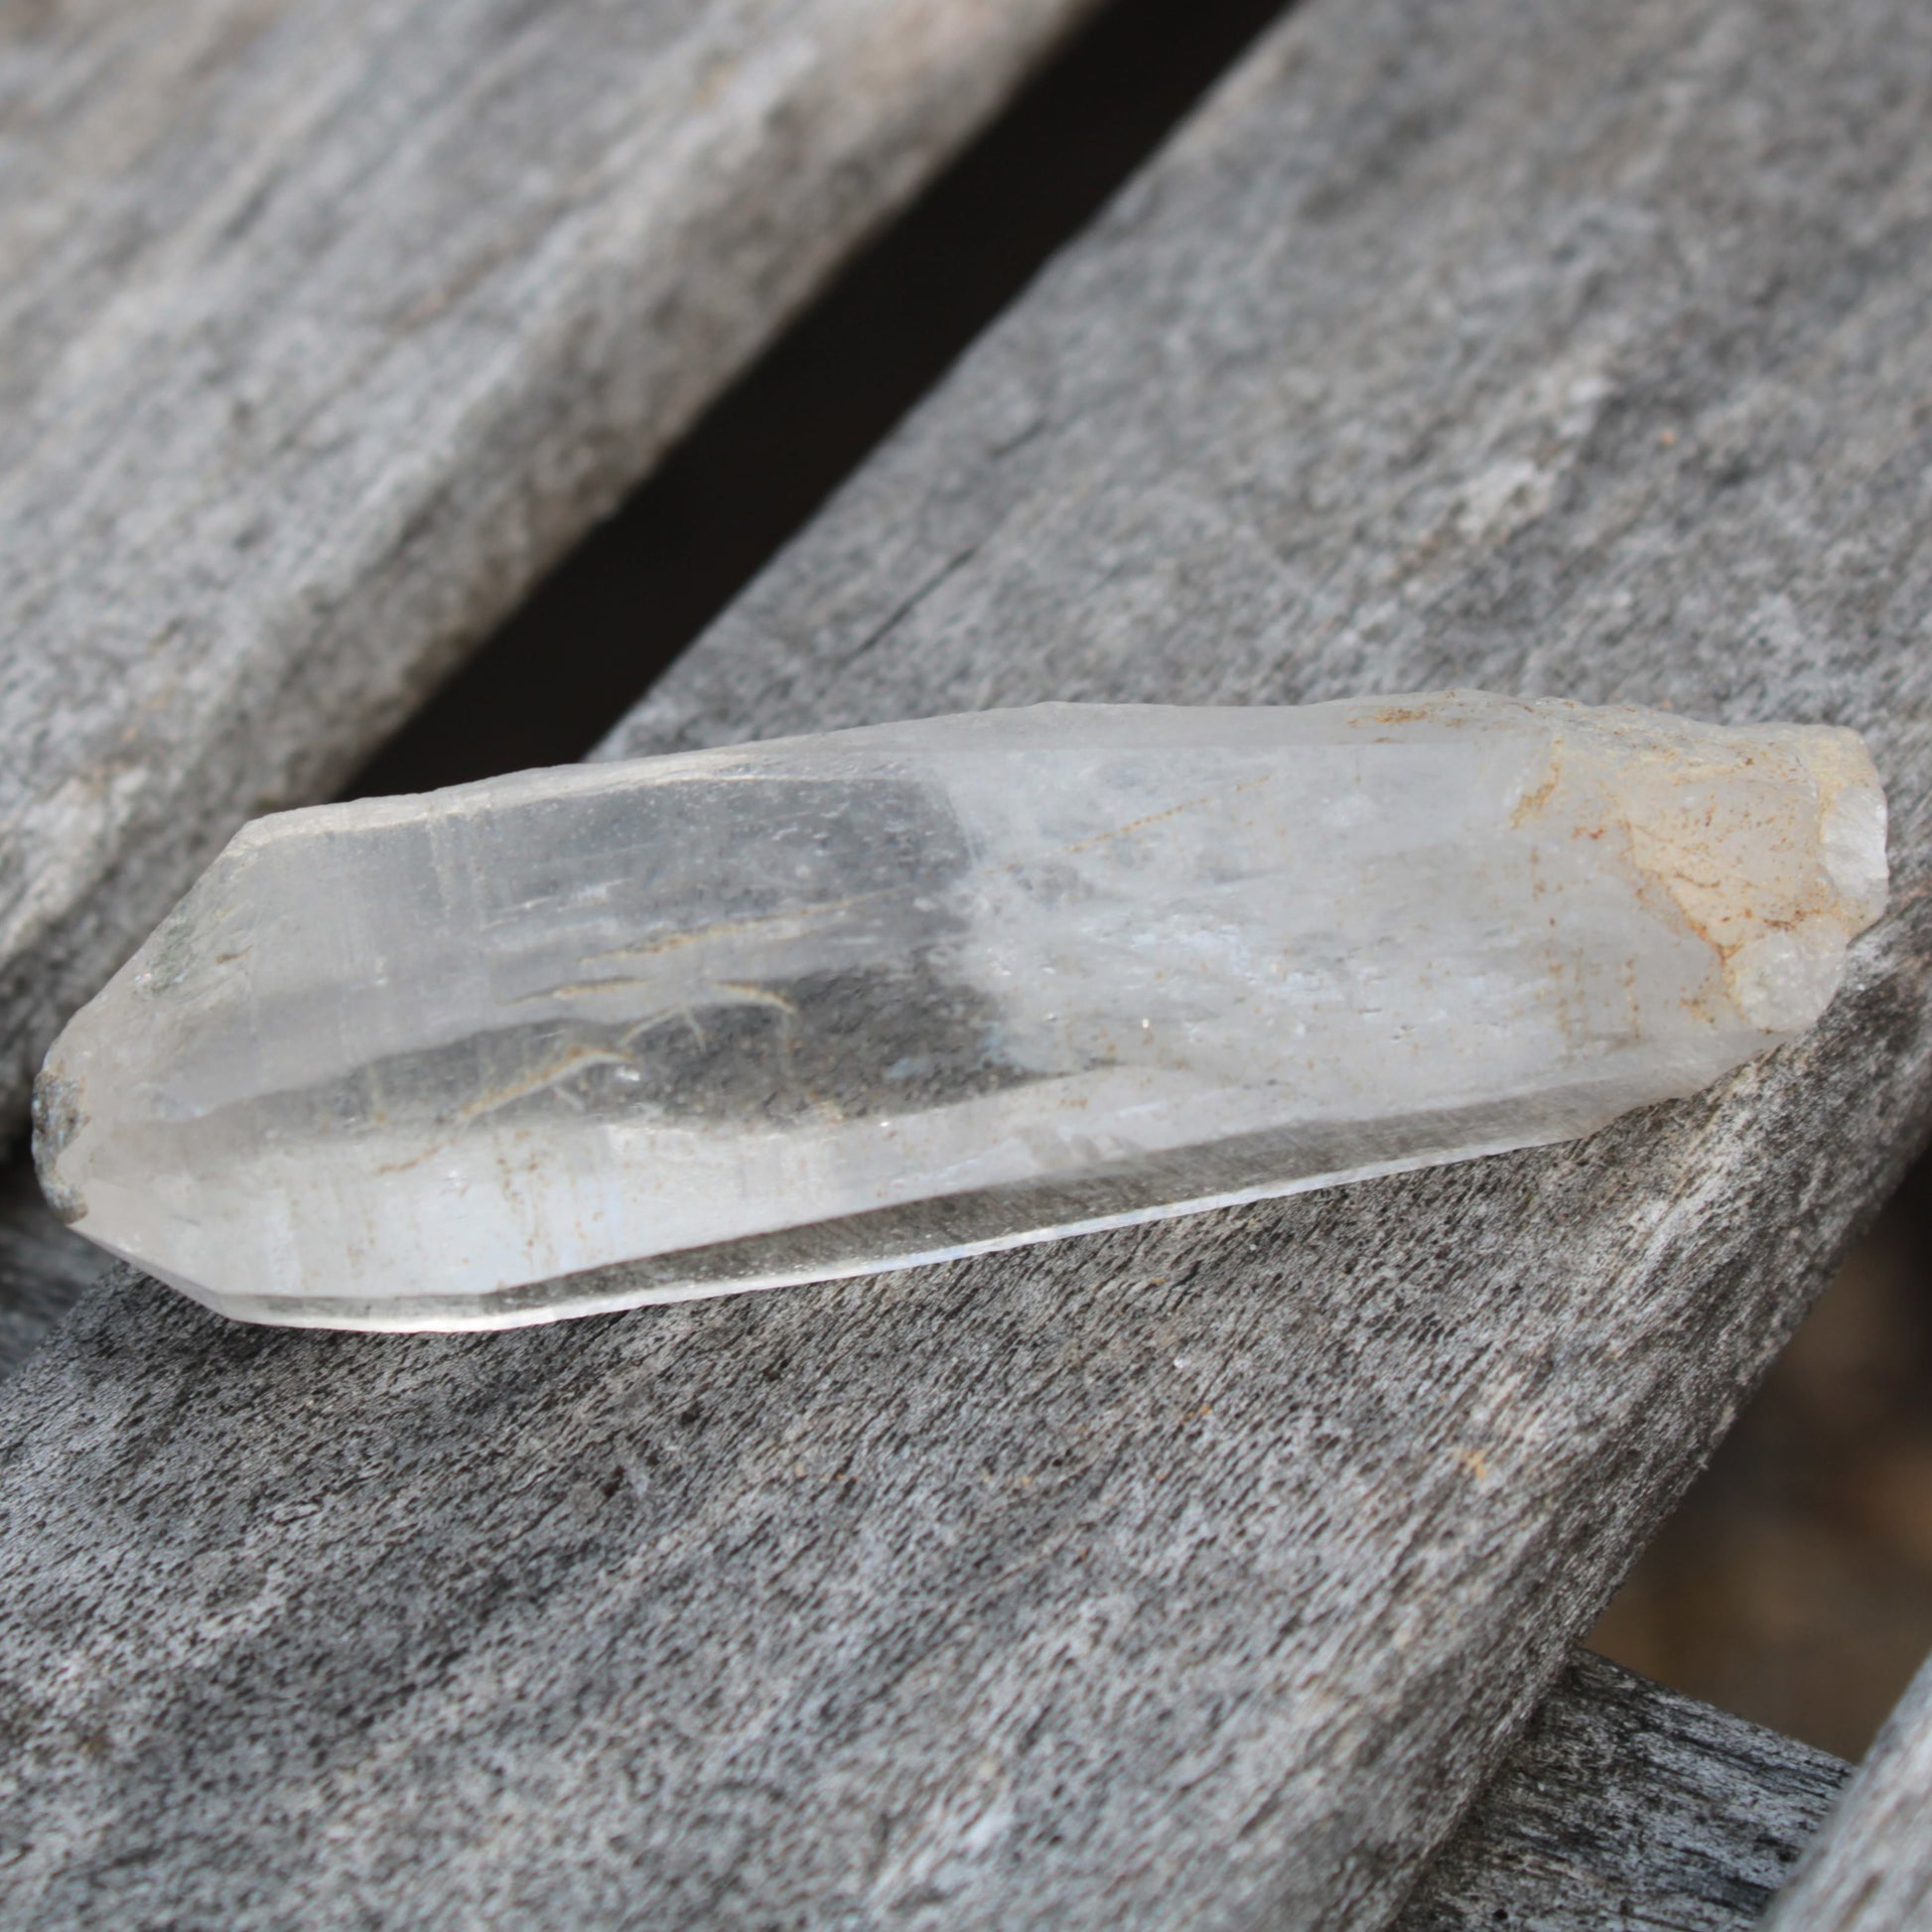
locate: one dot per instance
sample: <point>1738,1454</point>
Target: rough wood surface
<point>1628,1804</point>
<point>325,325</point>
<point>1198,1574</point>
<point>1870,1867</point>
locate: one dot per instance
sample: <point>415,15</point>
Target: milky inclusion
<point>584,1039</point>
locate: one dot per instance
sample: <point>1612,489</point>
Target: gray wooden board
<point>1870,1867</point>
<point>325,324</point>
<point>1199,1573</point>
<point>1625,1804</point>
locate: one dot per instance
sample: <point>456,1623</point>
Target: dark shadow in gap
<point>602,627</point>
<point>43,1267</point>
<point>1793,1583</point>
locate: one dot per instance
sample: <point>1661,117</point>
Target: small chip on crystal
<point>586,1038</point>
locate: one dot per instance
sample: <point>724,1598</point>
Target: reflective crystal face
<point>584,1039</point>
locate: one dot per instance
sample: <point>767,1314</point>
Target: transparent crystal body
<point>584,1039</point>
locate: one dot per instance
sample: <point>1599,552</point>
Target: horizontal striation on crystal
<point>590,1038</point>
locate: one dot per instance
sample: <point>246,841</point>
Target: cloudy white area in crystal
<point>590,1037</point>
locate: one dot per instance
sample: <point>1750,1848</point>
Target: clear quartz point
<point>584,1039</point>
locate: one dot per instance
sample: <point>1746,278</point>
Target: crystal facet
<point>586,1038</point>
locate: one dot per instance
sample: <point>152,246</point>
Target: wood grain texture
<point>1199,1573</point>
<point>1869,1869</point>
<point>326,326</point>
<point>1628,1804</point>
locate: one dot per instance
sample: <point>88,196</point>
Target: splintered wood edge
<point>1626,1802</point>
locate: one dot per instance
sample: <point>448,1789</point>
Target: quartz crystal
<point>584,1039</point>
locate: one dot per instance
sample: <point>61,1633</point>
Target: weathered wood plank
<point>325,324</point>
<point>1870,1867</point>
<point>1625,1804</point>
<point>1198,1574</point>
